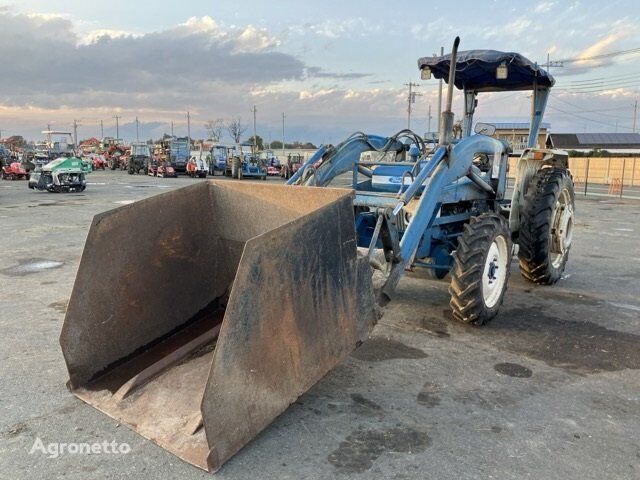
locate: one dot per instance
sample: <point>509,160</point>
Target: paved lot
<point>549,390</point>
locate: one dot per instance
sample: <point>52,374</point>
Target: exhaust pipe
<point>446,121</point>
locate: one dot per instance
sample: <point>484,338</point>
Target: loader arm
<point>329,161</point>
<point>441,173</point>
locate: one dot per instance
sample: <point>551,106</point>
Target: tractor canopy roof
<point>477,70</point>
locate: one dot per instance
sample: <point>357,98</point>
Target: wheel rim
<point>561,232</point>
<point>495,272</point>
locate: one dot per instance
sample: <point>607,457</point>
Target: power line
<point>600,83</point>
<point>581,110</point>
<point>603,79</point>
<point>603,55</point>
<point>586,118</point>
<point>632,84</point>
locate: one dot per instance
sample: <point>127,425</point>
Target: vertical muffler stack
<point>197,316</point>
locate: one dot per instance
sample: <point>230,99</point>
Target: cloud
<point>339,28</point>
<point>543,7</point>
<point>196,64</point>
<point>598,48</point>
<point>51,64</point>
<point>316,72</point>
<point>605,44</point>
<point>96,35</point>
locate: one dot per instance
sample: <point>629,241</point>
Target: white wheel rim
<point>561,232</point>
<point>495,272</point>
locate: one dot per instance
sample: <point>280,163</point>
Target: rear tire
<point>546,226</point>
<point>480,272</point>
<point>235,168</point>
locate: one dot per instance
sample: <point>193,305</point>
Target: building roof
<point>518,125</point>
<point>594,140</point>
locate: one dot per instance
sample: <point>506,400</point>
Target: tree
<point>215,128</point>
<point>235,128</point>
<point>277,144</point>
<point>259,142</point>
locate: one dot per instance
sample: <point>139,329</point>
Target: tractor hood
<point>476,70</point>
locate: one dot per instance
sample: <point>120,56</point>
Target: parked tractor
<point>198,165</point>
<point>161,168</point>
<point>98,162</point>
<point>139,158</point>
<point>115,153</point>
<point>14,171</point>
<point>5,156</point>
<point>291,165</point>
<point>66,174</point>
<point>218,162</point>
<point>179,153</point>
<point>446,209</point>
<point>203,373</point>
<point>247,165</point>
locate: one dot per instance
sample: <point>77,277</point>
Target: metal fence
<point>602,176</point>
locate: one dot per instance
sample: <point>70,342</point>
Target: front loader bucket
<point>197,316</point>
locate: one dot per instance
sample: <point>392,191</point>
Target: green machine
<point>65,174</point>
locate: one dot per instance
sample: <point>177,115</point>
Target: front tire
<point>546,226</point>
<point>480,272</point>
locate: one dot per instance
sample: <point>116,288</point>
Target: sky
<point>332,67</point>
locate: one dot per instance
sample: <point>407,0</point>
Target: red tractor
<point>166,171</point>
<point>160,168</point>
<point>115,153</point>
<point>99,162</point>
<point>291,165</point>
<point>14,172</point>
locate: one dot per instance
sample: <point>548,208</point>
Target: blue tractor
<point>248,165</point>
<point>445,207</point>
<point>179,153</point>
<point>218,160</point>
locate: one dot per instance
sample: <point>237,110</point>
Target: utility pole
<point>101,130</point>
<point>550,64</point>
<point>75,132</point>
<point>635,115</point>
<point>255,139</point>
<point>411,99</point>
<point>117,117</point>
<point>429,120</point>
<point>172,128</point>
<point>137,131</point>
<point>189,130</point>
<point>283,135</point>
